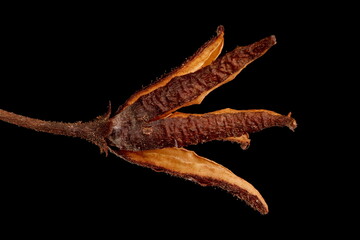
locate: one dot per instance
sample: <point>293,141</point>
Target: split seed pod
<point>147,129</point>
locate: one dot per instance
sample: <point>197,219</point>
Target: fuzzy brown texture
<point>194,129</point>
<point>182,90</point>
<point>93,131</point>
<point>204,56</point>
<point>148,132</point>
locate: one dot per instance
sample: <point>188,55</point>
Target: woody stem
<point>93,131</point>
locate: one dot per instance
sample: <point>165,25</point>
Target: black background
<point>66,62</point>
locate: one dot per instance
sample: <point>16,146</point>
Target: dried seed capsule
<point>188,165</point>
<point>205,55</point>
<point>182,130</point>
<point>146,131</point>
<point>192,88</point>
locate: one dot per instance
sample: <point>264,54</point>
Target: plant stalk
<point>94,131</point>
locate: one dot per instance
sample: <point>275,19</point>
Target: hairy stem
<point>93,131</point>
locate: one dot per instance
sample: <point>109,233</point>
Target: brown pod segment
<point>188,165</point>
<point>181,130</point>
<point>148,131</point>
<point>192,88</point>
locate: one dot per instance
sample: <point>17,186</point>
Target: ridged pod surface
<point>148,131</point>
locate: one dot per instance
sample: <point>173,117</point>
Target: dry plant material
<point>147,129</point>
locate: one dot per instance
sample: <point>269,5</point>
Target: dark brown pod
<point>146,130</point>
